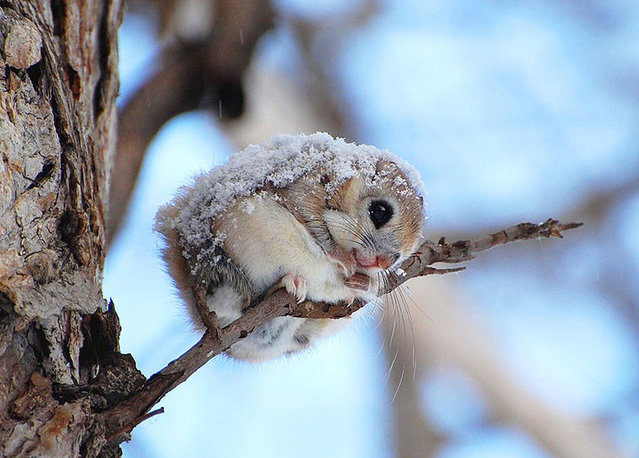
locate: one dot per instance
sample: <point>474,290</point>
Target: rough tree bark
<point>58,85</point>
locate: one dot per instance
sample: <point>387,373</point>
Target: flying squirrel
<point>323,218</point>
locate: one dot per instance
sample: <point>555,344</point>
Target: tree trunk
<point>59,360</point>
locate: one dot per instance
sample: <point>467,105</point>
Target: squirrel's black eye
<point>380,212</point>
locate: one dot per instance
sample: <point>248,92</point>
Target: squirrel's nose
<point>383,262</point>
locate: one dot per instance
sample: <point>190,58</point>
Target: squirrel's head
<point>378,219</point>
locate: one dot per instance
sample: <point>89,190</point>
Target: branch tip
<point>436,271</point>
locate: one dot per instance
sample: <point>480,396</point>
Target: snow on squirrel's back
<point>279,164</point>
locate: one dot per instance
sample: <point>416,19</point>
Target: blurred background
<point>512,111</point>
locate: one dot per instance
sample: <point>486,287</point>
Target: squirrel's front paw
<point>344,260</point>
<point>359,282</point>
<point>296,286</point>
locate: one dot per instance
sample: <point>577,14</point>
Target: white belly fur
<point>267,242</point>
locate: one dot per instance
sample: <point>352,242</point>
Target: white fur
<point>226,303</point>
<point>269,244</point>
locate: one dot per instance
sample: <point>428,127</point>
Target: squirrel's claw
<point>296,286</point>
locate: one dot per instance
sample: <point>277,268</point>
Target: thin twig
<point>280,303</point>
<point>465,250</point>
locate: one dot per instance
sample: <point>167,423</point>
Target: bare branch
<point>429,252</point>
<point>128,413</point>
